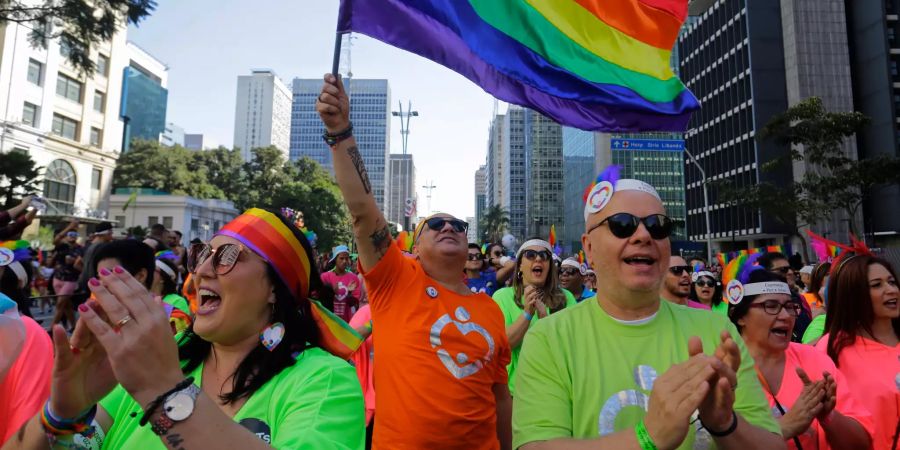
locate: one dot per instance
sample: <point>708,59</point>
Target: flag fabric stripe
<point>677,8</point>
<point>651,25</point>
<point>597,37</point>
<point>424,35</point>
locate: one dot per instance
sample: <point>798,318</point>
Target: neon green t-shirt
<point>583,374</point>
<point>721,308</point>
<point>815,329</point>
<point>316,403</point>
<point>505,298</point>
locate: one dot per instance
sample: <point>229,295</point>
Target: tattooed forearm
<point>381,240</point>
<point>174,440</point>
<point>357,160</point>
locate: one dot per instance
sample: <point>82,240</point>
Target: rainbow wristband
<point>63,427</point>
<point>643,437</point>
<point>527,316</point>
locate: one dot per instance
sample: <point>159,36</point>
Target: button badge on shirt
<point>431,292</point>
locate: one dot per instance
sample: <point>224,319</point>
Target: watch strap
<point>162,424</point>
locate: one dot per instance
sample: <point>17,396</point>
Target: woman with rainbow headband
<point>808,395</point>
<point>252,372</point>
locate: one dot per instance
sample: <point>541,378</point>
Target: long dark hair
<point>553,298</point>
<point>131,254</point>
<point>737,312</point>
<point>817,279</point>
<point>261,365</point>
<point>849,308</point>
<point>717,291</point>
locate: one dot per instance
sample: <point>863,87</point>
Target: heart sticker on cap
<point>599,196</point>
<point>734,292</point>
<point>6,256</point>
<point>272,336</point>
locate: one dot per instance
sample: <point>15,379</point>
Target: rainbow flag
<point>335,335</point>
<point>552,238</point>
<point>590,64</point>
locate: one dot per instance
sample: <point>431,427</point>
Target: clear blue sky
<point>207,44</point>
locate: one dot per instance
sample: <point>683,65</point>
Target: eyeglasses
<point>623,225</point>
<point>474,257</point>
<point>706,283</point>
<point>569,271</point>
<point>531,255</point>
<point>782,270</point>
<point>774,307</point>
<point>223,258</point>
<point>438,223</point>
<point>678,270</point>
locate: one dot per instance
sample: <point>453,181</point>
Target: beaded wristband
<point>61,427</point>
<point>643,437</point>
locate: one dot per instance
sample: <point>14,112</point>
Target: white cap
<point>808,269</point>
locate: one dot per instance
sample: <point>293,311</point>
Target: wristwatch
<point>177,407</point>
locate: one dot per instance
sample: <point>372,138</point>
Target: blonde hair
<point>553,295</point>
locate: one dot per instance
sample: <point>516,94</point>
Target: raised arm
<point>369,225</point>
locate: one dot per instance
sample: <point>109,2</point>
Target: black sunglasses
<point>569,271</point>
<point>623,225</point>
<point>678,270</point>
<point>437,224</point>
<point>706,283</point>
<point>531,255</point>
<point>782,270</point>
<point>774,307</point>
<point>475,257</point>
<point>223,258</point>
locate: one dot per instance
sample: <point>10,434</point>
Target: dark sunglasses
<point>782,270</point>
<point>437,224</point>
<point>223,258</point>
<point>569,271</point>
<point>678,270</point>
<point>774,307</point>
<point>531,255</point>
<point>474,257</point>
<point>623,225</point>
<point>706,283</point>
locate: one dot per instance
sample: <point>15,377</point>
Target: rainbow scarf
<point>268,237</point>
<point>589,64</point>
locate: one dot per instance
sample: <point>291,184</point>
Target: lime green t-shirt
<point>815,329</point>
<point>316,403</point>
<point>721,308</point>
<point>505,298</point>
<point>583,374</point>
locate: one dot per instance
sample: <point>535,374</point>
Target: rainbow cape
<point>590,64</point>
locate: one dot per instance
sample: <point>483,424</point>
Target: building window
<point>99,101</point>
<point>152,220</point>
<point>68,43</point>
<point>59,186</point>
<point>65,127</point>
<point>96,178</point>
<point>120,221</point>
<point>167,222</point>
<point>96,137</point>
<point>30,114</point>
<point>69,88</point>
<point>102,68</point>
<point>35,72</point>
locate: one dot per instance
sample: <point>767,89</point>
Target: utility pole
<point>704,181</point>
<point>404,124</point>
<point>429,187</point>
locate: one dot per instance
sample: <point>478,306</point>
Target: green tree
<point>171,169</point>
<point>18,177</point>
<point>493,223</point>
<point>265,174</point>
<point>83,23</point>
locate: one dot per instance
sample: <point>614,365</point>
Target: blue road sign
<point>659,145</point>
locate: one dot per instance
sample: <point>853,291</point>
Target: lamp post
<point>705,205</point>
<point>404,135</point>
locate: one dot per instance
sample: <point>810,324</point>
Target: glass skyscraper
<point>578,172</point>
<point>144,101</point>
<point>370,113</point>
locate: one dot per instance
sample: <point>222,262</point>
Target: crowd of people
<point>255,339</point>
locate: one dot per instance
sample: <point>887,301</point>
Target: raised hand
<point>717,409</point>
<point>333,105</point>
<point>530,297</point>
<point>807,406</point>
<point>82,375</point>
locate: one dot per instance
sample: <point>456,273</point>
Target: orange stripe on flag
<point>648,24</point>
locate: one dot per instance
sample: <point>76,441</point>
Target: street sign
<point>658,145</point>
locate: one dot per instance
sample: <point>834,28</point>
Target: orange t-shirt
<point>441,353</point>
<point>814,363</point>
<point>872,371</point>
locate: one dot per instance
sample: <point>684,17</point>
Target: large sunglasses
<point>531,255</point>
<point>438,223</point>
<point>678,270</point>
<point>774,307</point>
<point>569,271</point>
<point>475,257</point>
<point>706,283</point>
<point>782,270</point>
<point>223,258</point>
<point>623,225</point>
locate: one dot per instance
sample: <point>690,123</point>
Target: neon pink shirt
<point>872,370</point>
<point>697,305</point>
<point>346,293</point>
<point>364,360</point>
<point>814,363</point>
<point>27,384</point>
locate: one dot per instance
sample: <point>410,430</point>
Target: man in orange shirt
<point>443,352</point>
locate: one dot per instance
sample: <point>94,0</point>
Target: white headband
<point>534,243</point>
<point>165,268</point>
<point>696,275</point>
<point>736,291</point>
<point>603,191</point>
<point>569,262</point>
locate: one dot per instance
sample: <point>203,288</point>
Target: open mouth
<point>209,301</point>
<point>640,261</point>
<point>891,303</point>
<point>782,332</point>
<point>537,271</point>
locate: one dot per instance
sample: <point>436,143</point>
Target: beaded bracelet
<point>643,437</point>
<point>62,427</point>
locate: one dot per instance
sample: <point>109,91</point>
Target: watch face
<point>179,406</point>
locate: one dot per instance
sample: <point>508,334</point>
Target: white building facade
<point>194,218</point>
<point>68,123</point>
<point>262,114</point>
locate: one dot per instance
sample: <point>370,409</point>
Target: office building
<point>262,116</point>
<point>144,96</point>
<point>173,135</point>
<point>370,113</point>
<point>194,141</point>
<point>580,152</point>
<point>513,170</point>
<point>480,197</point>
<point>472,232</point>
<point>494,176</point>
<point>403,189</point>
<point>69,124</point>
<point>195,218</point>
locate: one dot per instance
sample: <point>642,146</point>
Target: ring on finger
<point>118,326</point>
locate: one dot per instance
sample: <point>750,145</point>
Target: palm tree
<point>493,223</point>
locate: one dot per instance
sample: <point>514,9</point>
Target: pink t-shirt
<point>814,363</point>
<point>364,361</point>
<point>873,373</point>
<point>346,293</point>
<point>27,384</point>
<point>697,305</point>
